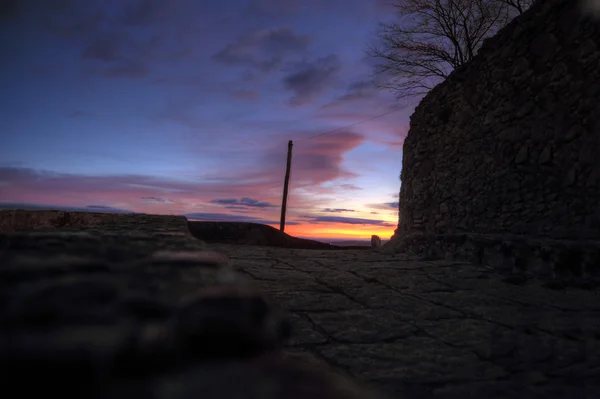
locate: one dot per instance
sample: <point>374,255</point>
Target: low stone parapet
<point>29,220</point>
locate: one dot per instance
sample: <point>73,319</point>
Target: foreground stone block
<point>134,306</point>
<point>264,377</point>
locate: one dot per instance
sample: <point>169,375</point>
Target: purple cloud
<point>222,217</point>
<point>244,202</point>
<point>346,220</point>
<point>286,8</point>
<point>238,209</point>
<point>246,95</point>
<point>263,49</point>
<point>338,210</point>
<point>127,69</point>
<point>307,80</point>
<point>156,200</point>
<point>143,13</point>
<point>120,54</point>
<point>350,187</point>
<point>107,47</point>
<point>318,160</point>
<point>385,206</point>
<point>356,91</point>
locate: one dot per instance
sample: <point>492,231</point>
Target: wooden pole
<point>285,186</point>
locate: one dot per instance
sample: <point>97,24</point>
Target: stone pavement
<point>101,306</point>
<point>431,329</point>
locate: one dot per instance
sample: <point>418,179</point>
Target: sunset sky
<point>186,107</point>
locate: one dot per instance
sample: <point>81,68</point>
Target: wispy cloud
<point>309,79</point>
<point>224,217</point>
<point>337,210</point>
<point>385,206</point>
<point>321,159</point>
<point>263,49</point>
<point>350,187</point>
<point>356,91</point>
<point>245,95</point>
<point>346,220</point>
<point>244,202</point>
<point>156,200</point>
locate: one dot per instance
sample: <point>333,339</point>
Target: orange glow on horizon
<point>338,231</point>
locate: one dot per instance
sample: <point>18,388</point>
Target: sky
<point>186,107</point>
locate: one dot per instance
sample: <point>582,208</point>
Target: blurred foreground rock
<point>104,305</point>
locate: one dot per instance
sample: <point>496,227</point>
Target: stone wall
<point>509,144</point>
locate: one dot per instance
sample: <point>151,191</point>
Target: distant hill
<point>244,233</point>
<point>353,243</point>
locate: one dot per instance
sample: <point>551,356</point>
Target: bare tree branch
<point>431,38</point>
<point>519,5</point>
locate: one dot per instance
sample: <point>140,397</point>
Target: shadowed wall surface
<point>510,142</point>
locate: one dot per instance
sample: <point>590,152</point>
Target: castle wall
<point>510,143</point>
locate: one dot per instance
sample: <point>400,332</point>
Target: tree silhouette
<point>431,38</point>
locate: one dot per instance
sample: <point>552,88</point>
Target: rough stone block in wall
<point>559,263</point>
<point>510,142</point>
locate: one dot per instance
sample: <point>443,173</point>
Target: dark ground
<point>101,310</point>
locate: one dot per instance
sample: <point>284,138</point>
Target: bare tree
<point>432,38</point>
<point>519,5</point>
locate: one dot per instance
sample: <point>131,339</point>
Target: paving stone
<point>400,387</point>
<point>417,359</point>
<point>565,391</point>
<point>293,285</point>
<point>310,264</point>
<point>101,307</point>
<point>306,356</point>
<point>363,326</point>
<point>413,284</point>
<point>487,307</point>
<point>313,301</point>
<point>304,332</point>
<point>239,263</point>
<point>487,389</point>
<point>373,265</point>
<point>508,347</point>
<point>338,278</point>
<point>409,307</point>
<point>260,272</point>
